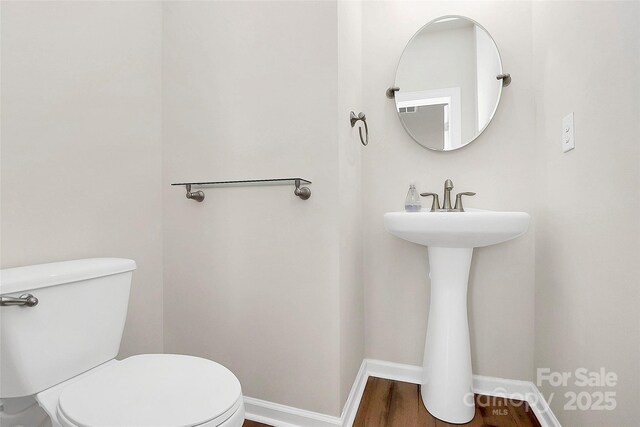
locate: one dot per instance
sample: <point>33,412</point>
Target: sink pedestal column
<point>447,378</point>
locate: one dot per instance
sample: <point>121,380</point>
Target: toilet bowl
<point>78,321</point>
<point>149,390</point>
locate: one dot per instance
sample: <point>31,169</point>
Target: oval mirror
<point>448,83</point>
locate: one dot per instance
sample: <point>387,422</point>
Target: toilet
<point>61,351</point>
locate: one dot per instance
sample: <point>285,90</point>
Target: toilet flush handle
<point>25,299</point>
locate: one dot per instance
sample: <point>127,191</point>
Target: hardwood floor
<point>387,403</point>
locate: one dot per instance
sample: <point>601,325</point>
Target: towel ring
<point>354,119</point>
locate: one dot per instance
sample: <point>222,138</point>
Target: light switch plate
<point>568,140</point>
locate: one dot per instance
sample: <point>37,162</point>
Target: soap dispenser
<point>412,203</point>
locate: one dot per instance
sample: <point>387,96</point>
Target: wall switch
<point>568,141</point>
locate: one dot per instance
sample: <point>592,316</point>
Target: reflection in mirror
<point>448,87</point>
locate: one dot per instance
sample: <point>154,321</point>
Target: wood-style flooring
<point>387,403</point>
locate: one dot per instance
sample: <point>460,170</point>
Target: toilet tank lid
<point>29,277</point>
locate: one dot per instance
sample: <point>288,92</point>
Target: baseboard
<point>490,386</point>
<point>394,371</point>
<point>355,395</point>
<point>520,390</point>
<point>278,415</point>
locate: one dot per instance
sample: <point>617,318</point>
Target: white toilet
<point>62,352</point>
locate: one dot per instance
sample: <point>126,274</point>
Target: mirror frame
<point>499,94</point>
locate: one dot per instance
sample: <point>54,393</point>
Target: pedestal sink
<point>450,237</point>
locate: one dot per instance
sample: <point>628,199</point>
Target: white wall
<point>81,150</point>
<point>256,278</point>
<point>498,166</point>
<point>587,222</point>
<point>271,284</point>
<point>350,151</point>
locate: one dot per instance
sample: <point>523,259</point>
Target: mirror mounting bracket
<point>506,79</point>
<point>391,92</point>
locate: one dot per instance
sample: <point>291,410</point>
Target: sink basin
<point>447,379</point>
<point>473,228</point>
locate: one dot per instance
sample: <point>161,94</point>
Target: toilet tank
<point>76,325</point>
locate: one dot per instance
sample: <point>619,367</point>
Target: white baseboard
<point>355,395</point>
<point>394,371</point>
<point>520,390</point>
<point>286,416</point>
<point>278,415</point>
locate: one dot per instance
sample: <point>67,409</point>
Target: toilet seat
<point>152,390</point>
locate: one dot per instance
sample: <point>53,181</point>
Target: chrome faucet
<point>446,203</point>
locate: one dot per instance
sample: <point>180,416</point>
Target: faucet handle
<point>458,207</point>
<point>435,205</point>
